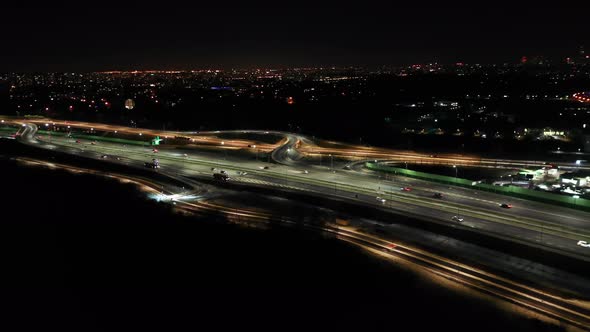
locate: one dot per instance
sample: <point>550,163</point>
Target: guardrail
<point>540,196</point>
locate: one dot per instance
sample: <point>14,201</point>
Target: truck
<point>221,177</point>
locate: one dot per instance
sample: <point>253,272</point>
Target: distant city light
<point>129,104</point>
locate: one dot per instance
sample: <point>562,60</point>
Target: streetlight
<point>456,171</point>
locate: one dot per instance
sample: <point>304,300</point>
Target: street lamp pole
<point>331,163</point>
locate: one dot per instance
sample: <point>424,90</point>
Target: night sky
<point>224,34</point>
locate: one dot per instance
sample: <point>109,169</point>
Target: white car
<point>382,200</point>
<point>584,244</point>
<point>457,219</point>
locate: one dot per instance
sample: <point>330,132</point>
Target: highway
<point>555,228</point>
<point>306,147</point>
<point>549,227</point>
<point>563,309</point>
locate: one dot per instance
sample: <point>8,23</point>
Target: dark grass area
<point>87,254</point>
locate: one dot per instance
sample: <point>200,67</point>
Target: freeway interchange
<point>552,227</point>
<point>549,228</point>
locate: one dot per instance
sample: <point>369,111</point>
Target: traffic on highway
<point>553,229</point>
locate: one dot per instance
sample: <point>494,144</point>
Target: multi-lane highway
<point>553,228</point>
<point>549,228</point>
<point>304,146</point>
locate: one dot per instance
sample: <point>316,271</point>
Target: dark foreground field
<point>81,253</point>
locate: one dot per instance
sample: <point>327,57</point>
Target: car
<point>221,177</point>
<point>382,200</point>
<point>406,189</point>
<point>93,143</point>
<point>391,246</point>
<point>78,141</point>
<point>457,219</point>
<point>223,172</point>
<point>265,167</point>
<point>583,244</point>
<point>104,156</point>
<point>151,165</point>
<point>506,205</point>
<point>305,172</point>
<point>118,158</point>
<point>213,168</point>
<point>437,195</point>
<point>185,155</point>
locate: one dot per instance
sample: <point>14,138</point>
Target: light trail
<point>543,302</point>
<point>208,139</point>
<point>408,200</point>
<point>535,299</point>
